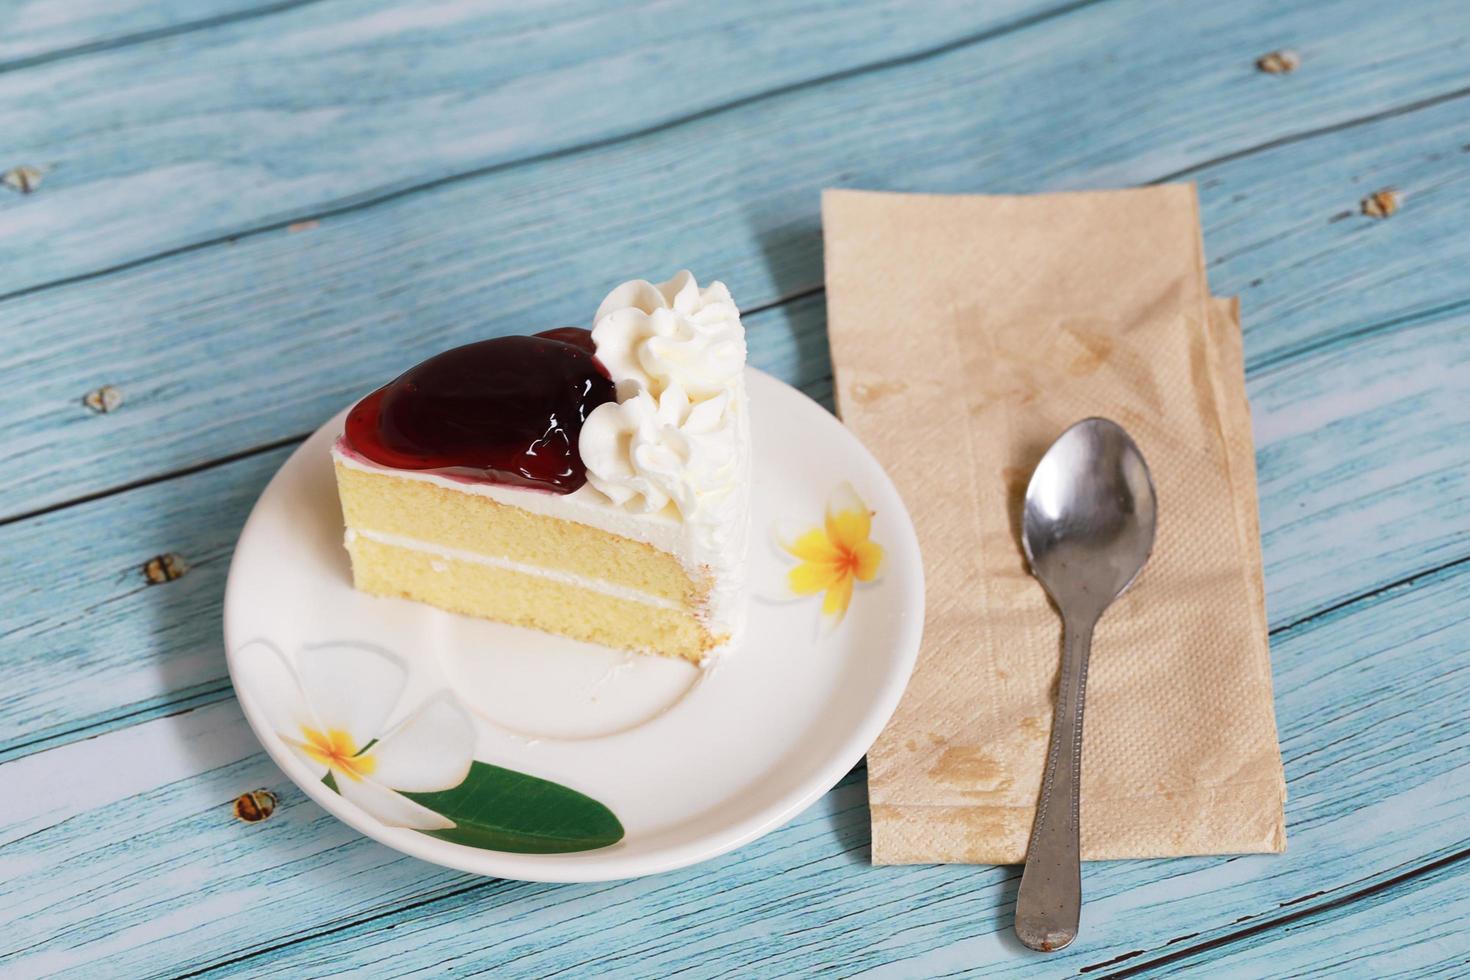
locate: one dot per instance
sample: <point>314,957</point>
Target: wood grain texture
<point>1339,508</point>
<point>89,641</point>
<point>165,145</point>
<point>199,400</point>
<point>184,885</point>
<point>42,30</point>
<point>475,171</point>
<point>1416,930</point>
<point>1392,457</point>
<point>370,291</point>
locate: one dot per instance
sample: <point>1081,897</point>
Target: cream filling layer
<point>555,575</point>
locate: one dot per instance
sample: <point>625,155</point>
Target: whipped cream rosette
<point>676,439</point>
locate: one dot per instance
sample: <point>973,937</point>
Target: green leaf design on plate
<point>503,810</point>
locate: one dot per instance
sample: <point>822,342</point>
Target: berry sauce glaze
<point>507,410</point>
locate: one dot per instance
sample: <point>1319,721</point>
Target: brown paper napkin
<point>967,333</point>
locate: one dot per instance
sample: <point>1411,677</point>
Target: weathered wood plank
<point>1360,455</point>
<point>1364,480</point>
<point>88,640</point>
<point>120,851</point>
<point>144,864</point>
<point>39,29</point>
<point>1416,929</point>
<point>160,145</point>
<point>1284,231</point>
<point>227,348</point>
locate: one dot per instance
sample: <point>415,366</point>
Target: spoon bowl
<point>1088,525</point>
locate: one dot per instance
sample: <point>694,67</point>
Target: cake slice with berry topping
<point>594,484</point>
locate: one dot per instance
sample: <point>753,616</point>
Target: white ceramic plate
<point>692,763</point>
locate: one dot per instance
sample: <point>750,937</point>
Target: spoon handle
<point>1049,901</point>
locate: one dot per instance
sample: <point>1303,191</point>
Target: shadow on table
<point>192,524</point>
<point>793,257</point>
<point>846,810</point>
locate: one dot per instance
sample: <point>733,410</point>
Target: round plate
<point>690,763</point>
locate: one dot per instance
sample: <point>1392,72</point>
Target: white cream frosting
<point>650,337</point>
<point>646,451</point>
<point>678,436</point>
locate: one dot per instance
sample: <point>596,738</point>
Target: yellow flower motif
<point>835,555</point>
<point>331,704</point>
<point>338,752</point>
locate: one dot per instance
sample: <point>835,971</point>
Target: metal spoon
<point>1087,530</point>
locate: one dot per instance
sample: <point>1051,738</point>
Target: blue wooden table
<point>224,219</point>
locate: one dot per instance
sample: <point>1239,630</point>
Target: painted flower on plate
<point>831,558</point>
<point>332,708</point>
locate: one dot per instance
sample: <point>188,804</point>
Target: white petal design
<point>430,751</point>
<point>784,534</point>
<point>776,591</point>
<point>827,623</point>
<point>845,498</point>
<point>351,688</point>
<point>389,808</point>
<point>317,767</point>
<point>774,585</point>
<point>267,674</point>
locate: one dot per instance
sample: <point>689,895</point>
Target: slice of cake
<point>593,484</point>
